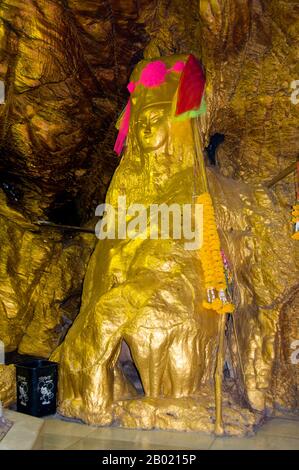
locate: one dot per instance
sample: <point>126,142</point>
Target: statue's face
<point>152,127</point>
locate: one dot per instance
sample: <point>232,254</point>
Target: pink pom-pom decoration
<point>131,87</point>
<point>153,74</point>
<point>123,130</point>
<point>178,66</point>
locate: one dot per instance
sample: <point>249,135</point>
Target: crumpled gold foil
<point>41,281</point>
<point>8,389</point>
<point>149,293</point>
<point>243,45</point>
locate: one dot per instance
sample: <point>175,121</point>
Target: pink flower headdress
<point>190,100</point>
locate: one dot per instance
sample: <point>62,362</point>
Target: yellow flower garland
<point>212,263</point>
<point>295,220</point>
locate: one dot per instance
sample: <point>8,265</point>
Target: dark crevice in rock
<point>215,140</point>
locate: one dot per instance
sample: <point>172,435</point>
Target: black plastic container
<point>37,387</point>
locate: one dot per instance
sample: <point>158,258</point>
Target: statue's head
<point>152,126</point>
<point>162,91</point>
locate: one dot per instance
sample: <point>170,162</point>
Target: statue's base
<point>184,414</point>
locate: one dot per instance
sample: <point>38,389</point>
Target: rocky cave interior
<point>66,65</point>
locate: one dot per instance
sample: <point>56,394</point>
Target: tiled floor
<point>24,433</point>
<point>278,433</point>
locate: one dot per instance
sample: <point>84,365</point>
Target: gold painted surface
<point>249,53</point>
<point>185,414</point>
<point>149,292</point>
<point>41,280</point>
<point>63,62</point>
<point>7,384</point>
<point>146,292</point>
<point>255,233</point>
<point>285,379</point>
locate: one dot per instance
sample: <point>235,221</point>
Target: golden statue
<point>150,294</point>
<point>41,271</point>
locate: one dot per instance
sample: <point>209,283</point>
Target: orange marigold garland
<point>295,212</point>
<point>295,220</point>
<point>212,262</point>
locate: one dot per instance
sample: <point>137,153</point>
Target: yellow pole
<point>218,375</point>
<point>219,429</point>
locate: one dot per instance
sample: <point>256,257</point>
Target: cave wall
<point>41,282</point>
<point>65,65</point>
